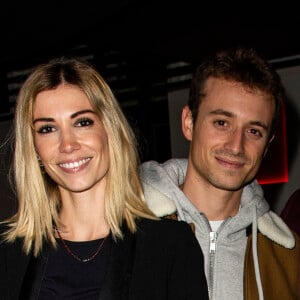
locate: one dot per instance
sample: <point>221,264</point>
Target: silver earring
<point>42,167</point>
<point>40,162</point>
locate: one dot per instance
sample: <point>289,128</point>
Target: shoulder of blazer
<point>174,216</point>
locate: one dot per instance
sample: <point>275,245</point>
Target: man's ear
<point>268,145</point>
<point>187,123</point>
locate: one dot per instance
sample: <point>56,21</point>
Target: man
<point>230,119</point>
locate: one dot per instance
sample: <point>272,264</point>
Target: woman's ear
<point>187,123</point>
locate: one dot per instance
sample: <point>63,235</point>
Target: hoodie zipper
<point>212,251</point>
<point>213,236</point>
<point>211,257</point>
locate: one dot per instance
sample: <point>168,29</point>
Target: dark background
<point>143,49</point>
<point>138,46</point>
<point>166,30</point>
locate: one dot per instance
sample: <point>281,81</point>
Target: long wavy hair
<point>38,196</point>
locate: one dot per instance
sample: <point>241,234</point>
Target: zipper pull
<point>213,240</point>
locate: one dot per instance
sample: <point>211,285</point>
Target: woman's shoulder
<point>165,228</point>
<point>15,245</point>
<point>167,238</point>
<point>162,223</point>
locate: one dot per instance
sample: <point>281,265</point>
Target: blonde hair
<point>38,196</point>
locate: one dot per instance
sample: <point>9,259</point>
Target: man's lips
<point>230,163</point>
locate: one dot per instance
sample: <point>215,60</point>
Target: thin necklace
<point>69,251</point>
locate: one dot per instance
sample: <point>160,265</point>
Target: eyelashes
<point>81,122</point>
<point>224,125</point>
<point>46,129</point>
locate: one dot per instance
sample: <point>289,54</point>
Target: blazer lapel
<point>119,268</point>
<point>34,275</point>
<point>16,264</point>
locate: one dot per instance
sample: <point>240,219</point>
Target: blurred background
<point>147,51</point>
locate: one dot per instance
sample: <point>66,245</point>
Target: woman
<point>82,229</point>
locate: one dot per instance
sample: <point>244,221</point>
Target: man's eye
<point>220,123</point>
<point>46,129</point>
<point>84,122</point>
<point>255,132</point>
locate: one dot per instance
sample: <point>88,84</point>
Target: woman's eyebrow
<point>74,115</point>
<point>78,113</point>
<point>43,120</point>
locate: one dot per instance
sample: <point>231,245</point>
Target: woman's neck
<point>82,217</point>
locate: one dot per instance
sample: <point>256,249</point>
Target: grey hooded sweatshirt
<point>224,250</point>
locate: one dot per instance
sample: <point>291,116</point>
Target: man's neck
<point>215,203</point>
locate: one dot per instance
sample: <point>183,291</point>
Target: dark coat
<point>163,260</point>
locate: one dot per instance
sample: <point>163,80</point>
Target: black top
<point>67,278</point>
<point>161,261</point>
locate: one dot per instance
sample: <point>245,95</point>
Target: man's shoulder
<point>159,203</point>
<point>272,227</point>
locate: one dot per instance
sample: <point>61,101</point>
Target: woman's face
<point>70,139</point>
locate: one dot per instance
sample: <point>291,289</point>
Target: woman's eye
<point>46,129</point>
<point>84,122</point>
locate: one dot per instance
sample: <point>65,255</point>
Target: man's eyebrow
<point>230,114</point>
<point>222,112</point>
<point>261,124</point>
<point>74,115</point>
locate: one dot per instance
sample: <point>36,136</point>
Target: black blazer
<point>161,261</point>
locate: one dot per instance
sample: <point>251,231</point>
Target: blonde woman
<point>82,229</point>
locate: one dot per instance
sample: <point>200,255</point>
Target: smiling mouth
<point>231,164</point>
<point>75,164</point>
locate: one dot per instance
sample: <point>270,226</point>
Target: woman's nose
<point>68,142</point>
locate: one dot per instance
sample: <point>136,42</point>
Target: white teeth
<point>75,164</point>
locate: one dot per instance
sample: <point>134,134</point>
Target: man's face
<point>230,135</point>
